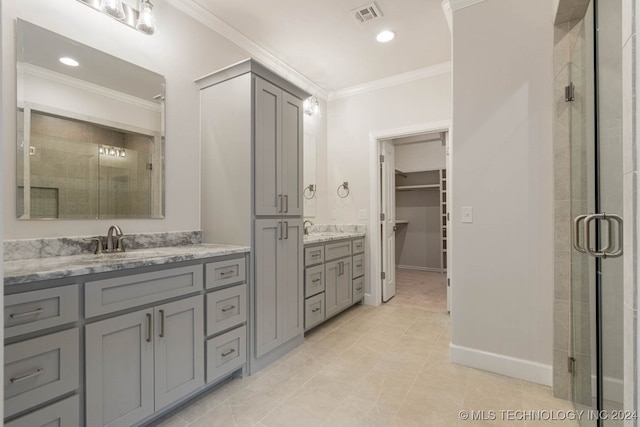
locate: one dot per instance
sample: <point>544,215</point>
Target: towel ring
<point>311,188</point>
<point>345,186</point>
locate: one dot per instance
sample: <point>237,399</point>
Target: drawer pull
<point>231,307</point>
<point>27,313</point>
<point>224,273</point>
<point>228,352</point>
<point>359,265</point>
<point>316,255</point>
<point>33,374</point>
<point>315,280</point>
<point>315,309</point>
<point>359,289</point>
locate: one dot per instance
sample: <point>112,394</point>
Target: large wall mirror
<point>90,131</point>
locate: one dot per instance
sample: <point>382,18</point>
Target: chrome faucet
<point>117,247</point>
<point>306,227</point>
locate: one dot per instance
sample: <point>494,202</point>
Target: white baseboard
<point>613,388</point>
<point>504,365</point>
<point>413,267</point>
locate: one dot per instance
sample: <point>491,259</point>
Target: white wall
<point>502,282</point>
<point>182,51</point>
<point>352,119</point>
<point>421,156</point>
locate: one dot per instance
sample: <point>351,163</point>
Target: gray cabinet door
<point>291,283</point>
<point>119,369</point>
<point>331,274</point>
<point>338,286</point>
<point>291,154</point>
<point>268,148</point>
<point>179,349</point>
<point>268,322</point>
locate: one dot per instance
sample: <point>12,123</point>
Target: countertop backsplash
<point>15,250</point>
<point>338,228</point>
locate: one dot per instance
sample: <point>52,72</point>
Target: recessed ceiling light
<point>69,61</point>
<point>385,36</point>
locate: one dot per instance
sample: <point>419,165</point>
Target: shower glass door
<point>596,206</point>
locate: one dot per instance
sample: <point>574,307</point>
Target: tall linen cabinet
<point>251,136</point>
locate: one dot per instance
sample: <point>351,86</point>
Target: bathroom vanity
<point>118,339</point>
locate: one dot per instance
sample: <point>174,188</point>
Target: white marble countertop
<point>321,237</point>
<point>31,270</point>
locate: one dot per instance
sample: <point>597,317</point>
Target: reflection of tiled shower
<point>65,158</point>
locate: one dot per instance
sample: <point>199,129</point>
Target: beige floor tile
<point>248,407</point>
<point>220,416</point>
<point>350,415</point>
<point>289,415</point>
<point>321,395</point>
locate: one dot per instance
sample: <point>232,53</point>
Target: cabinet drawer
<point>65,413</point>
<point>358,265</point>
<point>358,246</point>
<point>32,311</point>
<point>358,289</point>
<point>337,250</point>
<point>225,272</point>
<point>313,280</point>
<point>313,311</point>
<point>109,295</point>
<point>40,369</point>
<point>226,353</point>
<point>226,308</point>
<point>313,255</point>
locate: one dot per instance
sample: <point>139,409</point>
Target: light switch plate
<point>467,214</point>
<point>333,214</point>
<point>362,214</point>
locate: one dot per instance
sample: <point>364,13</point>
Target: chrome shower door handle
<point>606,251</point>
<point>577,244</point>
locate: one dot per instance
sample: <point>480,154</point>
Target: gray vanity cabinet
<point>279,295</point>
<point>137,363</point>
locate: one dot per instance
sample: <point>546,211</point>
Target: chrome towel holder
<point>345,187</point>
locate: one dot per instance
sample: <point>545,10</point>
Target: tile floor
<point>373,366</point>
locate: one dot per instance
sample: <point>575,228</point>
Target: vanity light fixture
<point>112,151</point>
<point>113,8</point>
<point>69,61</point>
<point>146,20</point>
<point>142,20</point>
<point>385,36</point>
<point>311,106</point>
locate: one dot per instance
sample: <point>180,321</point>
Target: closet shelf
<point>417,187</point>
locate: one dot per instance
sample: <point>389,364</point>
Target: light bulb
<point>385,36</point>
<point>112,151</point>
<point>122,153</point>
<point>146,20</point>
<point>101,150</point>
<point>69,61</point>
<point>113,8</point>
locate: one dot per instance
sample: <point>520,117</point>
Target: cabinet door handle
<point>279,230</point>
<point>280,203</point>
<point>27,313</point>
<point>228,352</point>
<point>231,307</point>
<point>161,324</point>
<point>315,310</point>
<point>149,327</point>
<point>286,203</point>
<point>286,228</point>
<point>32,374</point>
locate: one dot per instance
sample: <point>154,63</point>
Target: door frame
<point>374,297</point>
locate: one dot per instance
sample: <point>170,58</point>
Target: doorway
<point>413,200</point>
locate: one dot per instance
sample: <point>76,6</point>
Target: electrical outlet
<point>362,214</point>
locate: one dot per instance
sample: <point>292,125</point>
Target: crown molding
<point>407,77</point>
<point>448,13</point>
<point>461,4</point>
<point>194,10</point>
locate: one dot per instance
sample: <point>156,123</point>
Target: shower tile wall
<point>565,38</point>
<point>630,149</point>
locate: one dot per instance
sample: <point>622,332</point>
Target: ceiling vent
<point>366,13</point>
